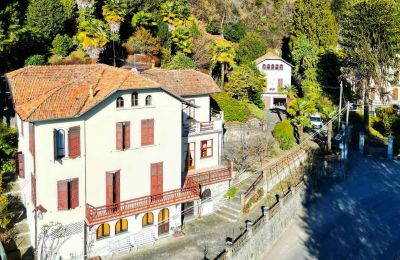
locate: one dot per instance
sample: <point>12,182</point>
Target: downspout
<point>84,221</point>
<point>35,198</point>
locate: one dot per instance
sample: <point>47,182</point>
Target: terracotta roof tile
<point>52,92</point>
<point>183,82</point>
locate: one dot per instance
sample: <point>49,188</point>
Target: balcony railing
<point>211,176</point>
<point>97,215</point>
<point>190,192</point>
<point>202,127</point>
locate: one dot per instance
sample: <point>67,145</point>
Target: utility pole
<point>340,103</point>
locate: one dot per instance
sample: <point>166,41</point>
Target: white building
<point>279,74</point>
<point>114,156</point>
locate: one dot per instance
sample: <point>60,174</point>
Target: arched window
<point>264,67</point>
<point>60,143</point>
<point>206,194</point>
<point>272,66</point>
<point>148,101</point>
<point>268,66</point>
<point>148,219</point>
<point>135,99</point>
<point>163,221</point>
<point>121,226</point>
<point>281,67</point>
<point>120,102</point>
<point>103,231</point>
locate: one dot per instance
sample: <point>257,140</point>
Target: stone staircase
<point>231,209</point>
<point>21,247</point>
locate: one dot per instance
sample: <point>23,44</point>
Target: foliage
<point>234,110</point>
<point>314,20</point>
<point>256,197</point>
<point>387,121</point>
<point>35,60</point>
<point>256,112</point>
<point>213,28</point>
<point>202,51</point>
<point>223,54</point>
<point>143,19</point>
<point>176,12</point>
<point>142,41</point>
<point>182,39</point>
<point>284,133</point>
<point>62,45</point>
<point>180,61</point>
<point>48,16</point>
<point>246,83</point>
<point>300,109</point>
<point>250,47</point>
<point>114,11</point>
<point>234,31</point>
<point>93,36</point>
<point>231,193</point>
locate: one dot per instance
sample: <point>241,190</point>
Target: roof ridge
<point>56,89</point>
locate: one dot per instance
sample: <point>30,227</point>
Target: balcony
<point>210,176</point>
<point>97,215</point>
<point>196,127</point>
<point>190,192</point>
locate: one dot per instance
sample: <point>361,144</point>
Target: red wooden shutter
<point>117,186</point>
<point>74,141</point>
<point>147,132</point>
<point>127,133</point>
<point>109,188</point>
<point>74,196</point>
<point>33,188</point>
<point>21,165</point>
<point>156,178</point>
<point>119,136</point>
<point>32,138</point>
<point>62,189</point>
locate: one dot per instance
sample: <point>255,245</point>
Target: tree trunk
<point>222,75</point>
<point>329,136</point>
<point>366,107</point>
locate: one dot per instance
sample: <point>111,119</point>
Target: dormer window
<point>135,99</point>
<point>281,67</point>
<point>120,102</point>
<point>148,100</point>
<point>268,67</point>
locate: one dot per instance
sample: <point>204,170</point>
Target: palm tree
<point>143,18</point>
<point>224,54</point>
<point>300,109</point>
<point>329,113</point>
<point>290,91</point>
<point>114,14</point>
<point>181,38</point>
<point>93,36</point>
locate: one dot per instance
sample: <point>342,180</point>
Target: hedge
<point>256,112</point>
<point>284,133</point>
<point>234,110</point>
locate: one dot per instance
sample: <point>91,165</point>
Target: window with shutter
<point>127,135</point>
<point>74,193</point>
<point>74,141</point>
<point>62,190</point>
<point>206,148</point>
<point>123,136</point>
<point>21,165</point>
<point>113,188</point>
<point>119,136</point>
<point>147,132</point>
<point>59,144</point>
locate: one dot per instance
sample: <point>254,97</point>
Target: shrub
<point>213,28</point>
<point>234,32</point>
<point>35,60</point>
<point>234,110</point>
<point>231,193</point>
<point>62,45</point>
<point>180,61</point>
<point>256,112</point>
<point>284,133</point>
<point>256,197</point>
<point>143,42</point>
<point>251,46</point>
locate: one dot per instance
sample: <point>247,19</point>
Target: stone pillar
<point>249,228</point>
<point>265,211</point>
<point>390,148</point>
<point>228,249</point>
<point>361,145</point>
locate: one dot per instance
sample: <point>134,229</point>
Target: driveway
<point>356,219</point>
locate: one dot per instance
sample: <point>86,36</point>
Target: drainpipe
<point>84,221</point>
<point>35,198</point>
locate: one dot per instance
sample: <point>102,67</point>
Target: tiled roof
<point>183,82</point>
<point>271,56</point>
<point>52,92</point>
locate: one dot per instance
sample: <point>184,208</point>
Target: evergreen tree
<point>252,46</point>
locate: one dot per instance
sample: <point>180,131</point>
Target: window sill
<point>137,148</point>
<point>66,159</point>
<point>207,157</point>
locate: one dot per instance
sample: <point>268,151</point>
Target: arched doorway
<point>163,221</point>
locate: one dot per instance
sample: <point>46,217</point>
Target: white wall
<point>201,114</point>
<point>274,75</point>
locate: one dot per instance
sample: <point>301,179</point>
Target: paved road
<point>357,219</point>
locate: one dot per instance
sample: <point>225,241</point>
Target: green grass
<point>256,112</point>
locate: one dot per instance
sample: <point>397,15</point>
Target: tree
<point>250,47</point>
<point>114,14</point>
<point>300,109</point>
<point>93,36</point>
<point>246,83</point>
<point>370,36</point>
<point>48,16</point>
<point>180,61</point>
<point>62,45</point>
<point>315,20</point>
<point>51,237</point>
<point>143,19</point>
<point>284,133</point>
<point>262,147</point>
<point>142,41</point>
<point>234,31</point>
<point>240,153</point>
<point>35,60</point>
<point>224,54</point>
<point>182,39</point>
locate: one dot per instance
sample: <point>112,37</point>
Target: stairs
<point>231,210</point>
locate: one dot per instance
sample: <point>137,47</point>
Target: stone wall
<point>261,235</point>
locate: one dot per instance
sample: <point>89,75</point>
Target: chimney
<point>90,93</point>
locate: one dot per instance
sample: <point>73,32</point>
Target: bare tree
<point>261,147</point>
<point>240,154</point>
<point>51,238</point>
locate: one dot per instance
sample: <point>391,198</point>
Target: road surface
<point>356,219</point>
